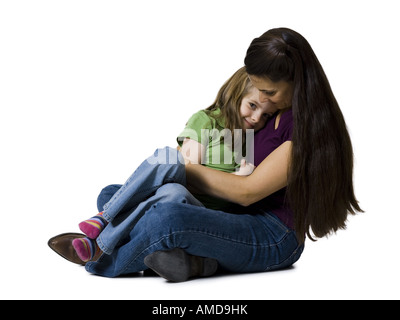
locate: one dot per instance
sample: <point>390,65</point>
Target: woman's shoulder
<point>285,127</point>
<point>287,118</point>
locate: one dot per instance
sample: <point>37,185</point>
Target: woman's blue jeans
<point>168,216</point>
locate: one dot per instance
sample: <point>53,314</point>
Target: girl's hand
<point>245,168</point>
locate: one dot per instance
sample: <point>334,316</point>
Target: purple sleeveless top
<point>265,141</point>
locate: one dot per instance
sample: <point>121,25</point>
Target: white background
<point>88,89</point>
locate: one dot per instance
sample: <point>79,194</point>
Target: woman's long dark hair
<point>320,182</point>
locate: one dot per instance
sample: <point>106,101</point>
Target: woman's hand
<point>245,168</point>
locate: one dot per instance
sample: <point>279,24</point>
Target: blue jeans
<point>146,186</point>
<point>170,217</point>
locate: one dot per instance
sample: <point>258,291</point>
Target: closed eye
<point>269,93</point>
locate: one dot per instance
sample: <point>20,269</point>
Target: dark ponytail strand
<point>320,183</point>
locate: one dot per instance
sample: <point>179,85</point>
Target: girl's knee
<point>169,164</point>
<point>176,193</point>
<point>167,155</point>
<point>172,189</point>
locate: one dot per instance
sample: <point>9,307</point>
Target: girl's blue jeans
<point>154,211</point>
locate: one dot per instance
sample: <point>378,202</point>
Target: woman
<point>317,164</point>
<point>208,138</point>
<point>303,186</point>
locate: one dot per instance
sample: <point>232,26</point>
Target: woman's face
<point>277,95</point>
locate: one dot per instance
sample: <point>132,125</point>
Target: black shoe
<point>176,265</point>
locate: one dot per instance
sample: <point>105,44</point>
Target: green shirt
<point>208,128</point>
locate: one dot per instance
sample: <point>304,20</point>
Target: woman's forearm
<point>267,178</point>
<point>215,183</point>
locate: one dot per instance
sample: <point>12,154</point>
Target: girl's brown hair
<point>229,99</point>
<point>320,182</point>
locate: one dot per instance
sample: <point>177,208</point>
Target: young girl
<point>204,140</point>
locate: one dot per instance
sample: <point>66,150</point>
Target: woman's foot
<point>86,249</point>
<point>176,265</point>
<point>93,226</point>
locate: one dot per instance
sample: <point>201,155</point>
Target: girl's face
<point>277,95</point>
<point>253,112</point>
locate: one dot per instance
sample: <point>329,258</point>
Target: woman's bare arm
<point>270,176</point>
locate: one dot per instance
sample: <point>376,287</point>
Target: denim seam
<point>283,261</point>
<point>102,246</point>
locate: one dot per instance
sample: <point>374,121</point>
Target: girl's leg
<point>239,242</point>
<point>86,248</point>
<point>164,166</point>
<point>93,226</point>
<point>116,231</point>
